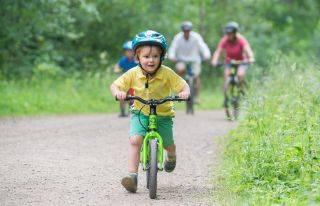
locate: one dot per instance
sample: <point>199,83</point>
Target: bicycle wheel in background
<point>236,102</point>
<point>153,169</point>
<point>228,90</point>
<point>190,102</point>
<point>232,98</point>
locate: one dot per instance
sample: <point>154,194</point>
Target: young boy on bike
<point>150,80</point>
<point>236,47</point>
<point>124,64</point>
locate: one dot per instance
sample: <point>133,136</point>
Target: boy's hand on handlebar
<point>184,95</point>
<point>121,95</point>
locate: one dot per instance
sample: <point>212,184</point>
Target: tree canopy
<point>86,35</point>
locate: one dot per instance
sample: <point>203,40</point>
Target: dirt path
<point>80,160</point>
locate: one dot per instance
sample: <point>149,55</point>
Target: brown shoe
<point>129,182</point>
<point>170,164</point>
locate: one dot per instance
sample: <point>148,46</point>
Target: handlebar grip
<point>128,98</point>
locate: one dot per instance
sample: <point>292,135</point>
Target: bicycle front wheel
<point>153,168</point>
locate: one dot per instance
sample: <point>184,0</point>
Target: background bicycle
<point>233,91</point>
<point>190,79</point>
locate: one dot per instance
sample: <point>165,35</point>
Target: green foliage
<point>273,156</point>
<point>72,34</point>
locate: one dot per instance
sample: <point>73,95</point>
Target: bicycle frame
<point>233,77</point>
<point>152,134</point>
<point>152,129</point>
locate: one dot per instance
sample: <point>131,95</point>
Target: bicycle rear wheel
<point>228,90</point>
<point>153,169</point>
<point>190,102</point>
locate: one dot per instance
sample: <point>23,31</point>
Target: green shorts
<point>164,125</point>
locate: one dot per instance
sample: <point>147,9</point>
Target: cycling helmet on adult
<point>186,26</point>
<point>150,37</point>
<point>231,27</point>
<point>127,45</point>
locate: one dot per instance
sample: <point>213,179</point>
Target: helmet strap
<point>150,74</point>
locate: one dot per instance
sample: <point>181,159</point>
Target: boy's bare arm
<point>116,92</point>
<point>185,92</point>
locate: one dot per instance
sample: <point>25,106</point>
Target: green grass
<point>87,94</point>
<point>273,156</point>
<point>73,95</point>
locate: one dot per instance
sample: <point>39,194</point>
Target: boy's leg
<point>130,181</point>
<point>171,159</point>
<point>171,150</point>
<point>136,139</point>
<point>134,153</point>
<point>165,125</point>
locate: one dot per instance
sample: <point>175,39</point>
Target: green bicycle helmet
<point>150,37</point>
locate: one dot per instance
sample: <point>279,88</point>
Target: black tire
<point>153,168</point>
<point>227,90</point>
<point>190,103</point>
<point>236,99</point>
<point>232,98</point>
<point>148,176</point>
<point>236,108</point>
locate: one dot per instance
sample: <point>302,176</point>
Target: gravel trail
<point>80,160</point>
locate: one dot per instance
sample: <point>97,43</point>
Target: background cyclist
<point>236,47</point>
<point>124,64</point>
<point>187,47</point>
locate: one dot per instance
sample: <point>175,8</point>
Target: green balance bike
<point>152,147</point>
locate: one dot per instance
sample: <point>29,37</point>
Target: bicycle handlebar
<point>238,62</point>
<point>154,101</point>
<point>233,63</point>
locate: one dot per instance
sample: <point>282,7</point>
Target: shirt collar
<point>159,74</point>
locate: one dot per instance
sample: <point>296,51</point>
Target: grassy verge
<point>72,95</point>
<point>273,156</point>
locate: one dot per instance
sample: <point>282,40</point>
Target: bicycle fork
<point>145,150</point>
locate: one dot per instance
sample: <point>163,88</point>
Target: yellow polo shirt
<point>163,84</point>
